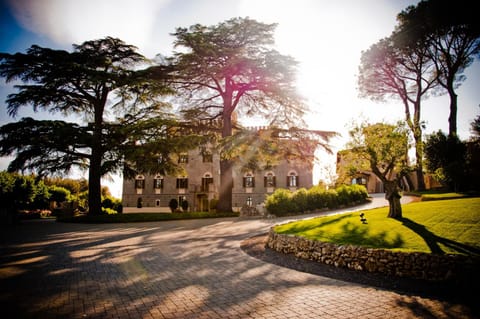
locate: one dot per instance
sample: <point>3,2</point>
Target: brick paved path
<point>177,269</point>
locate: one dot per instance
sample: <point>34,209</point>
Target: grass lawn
<point>442,227</point>
<point>142,217</point>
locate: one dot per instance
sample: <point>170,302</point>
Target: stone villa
<point>199,186</point>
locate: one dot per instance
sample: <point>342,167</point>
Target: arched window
<point>158,182</point>
<point>292,179</point>
<point>248,180</point>
<point>207,180</point>
<point>249,201</point>
<point>269,180</point>
<point>157,202</point>
<point>140,182</point>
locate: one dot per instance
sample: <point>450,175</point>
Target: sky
<point>326,38</point>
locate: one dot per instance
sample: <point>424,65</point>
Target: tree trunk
<point>452,119</point>
<point>94,173</point>
<point>226,186</point>
<point>417,136</point>
<point>393,196</point>
<point>94,183</point>
<point>95,168</point>
<point>226,166</point>
<point>420,178</point>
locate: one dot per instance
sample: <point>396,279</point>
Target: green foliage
<point>109,211</point>
<point>111,203</point>
<point>184,205</point>
<point>58,194</point>
<point>83,81</point>
<point>75,186</point>
<point>446,159</point>
<point>442,227</point>
<point>173,204</point>
<point>451,36</point>
<point>284,202</point>
<point>385,148</point>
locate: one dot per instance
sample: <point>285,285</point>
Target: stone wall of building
<point>199,197</point>
<point>412,265</point>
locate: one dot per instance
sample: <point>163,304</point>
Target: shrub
<point>108,211</point>
<point>185,205</point>
<point>173,204</point>
<point>300,199</point>
<point>280,202</point>
<point>283,202</point>
<point>213,204</point>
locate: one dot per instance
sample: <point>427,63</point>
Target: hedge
<point>285,202</point>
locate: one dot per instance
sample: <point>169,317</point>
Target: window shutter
<point>265,180</point>
<point>274,181</point>
<point>253,181</point>
<point>244,182</point>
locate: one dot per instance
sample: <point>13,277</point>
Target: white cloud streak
<point>72,21</point>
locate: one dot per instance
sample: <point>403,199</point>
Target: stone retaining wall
<point>413,265</point>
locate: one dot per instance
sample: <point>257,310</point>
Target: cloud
<point>72,21</point>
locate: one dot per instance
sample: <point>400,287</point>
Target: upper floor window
<point>248,180</point>
<point>140,182</point>
<point>183,158</point>
<point>269,180</point>
<point>207,157</point>
<point>292,180</point>
<point>158,182</point>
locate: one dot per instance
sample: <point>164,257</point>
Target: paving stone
<point>177,269</point>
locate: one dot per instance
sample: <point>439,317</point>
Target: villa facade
<point>200,184</point>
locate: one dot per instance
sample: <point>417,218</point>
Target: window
<point>183,158</point>
<point>269,180</point>
<point>249,201</point>
<point>207,179</point>
<point>157,202</point>
<point>207,157</point>
<point>140,182</point>
<point>182,182</point>
<point>158,182</point>
<point>292,180</point>
<point>249,180</point>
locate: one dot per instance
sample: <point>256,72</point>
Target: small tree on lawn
<point>383,148</point>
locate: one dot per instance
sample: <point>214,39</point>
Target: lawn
<point>442,227</point>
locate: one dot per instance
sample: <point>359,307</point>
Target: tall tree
<point>451,32</point>
<point>383,149</point>
<point>232,68</point>
<point>446,158</point>
<point>87,81</point>
<point>400,69</point>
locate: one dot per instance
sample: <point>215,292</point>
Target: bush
<point>185,205</point>
<point>300,199</point>
<point>280,203</point>
<point>108,211</point>
<point>173,204</point>
<point>283,202</point>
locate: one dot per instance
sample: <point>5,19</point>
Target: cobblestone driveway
<point>177,269</point>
